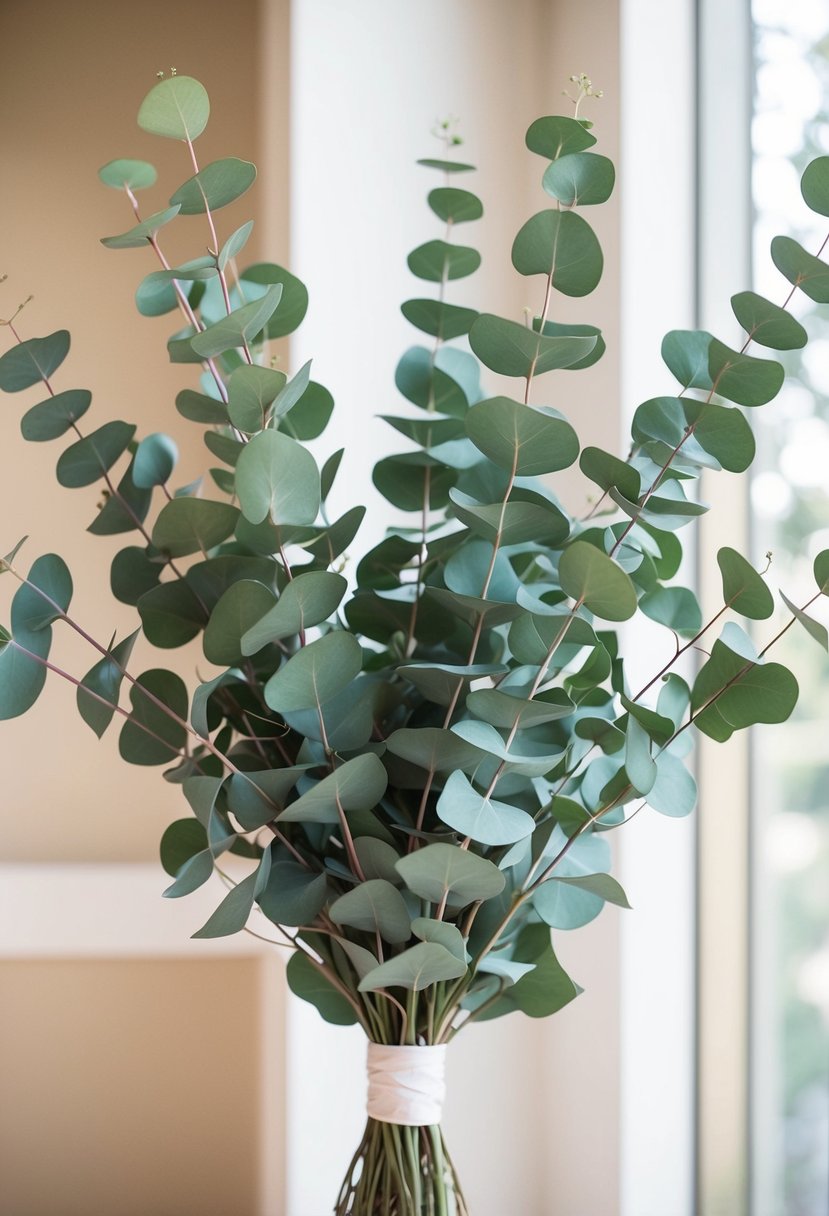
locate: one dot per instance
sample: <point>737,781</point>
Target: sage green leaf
<point>309,983</point>
<point>123,511</point>
<point>179,349</point>
<point>663,419</point>
<point>375,906</point>
<point>412,478</point>
<point>433,748</point>
<point>440,871</point>
<point>639,763</point>
<point>445,166</point>
<point>525,439</point>
<point>45,596</point>
<point>766,693</point>
<point>242,604</point>
<point>511,349</point>
<point>580,179</point>
<point>90,458</point>
<point>155,459</point>
<point>802,269</point>
<point>150,735</point>
<point>430,432</point>
<point>455,206</point>
<point>423,383</point>
<point>377,859</point>
<point>659,727</point>
<point>594,579</point>
<point>277,478</point>
<point>309,599</point>
<point>182,840</point>
<point>440,682</point>
<point>722,431</point>
<point>814,185</point>
<point>226,449</point>
<point>329,543</point>
<point>742,378</point>
<point>309,417</point>
<point>545,989</point>
<point>294,300</point>
<point>357,785</point>
<point>440,320</point>
<point>556,136</point>
<point>131,174</point>
<point>177,108</point>
<point>256,798</point>
<point>171,613</point>
<point>812,627</point>
<point>767,323</point>
<point>743,588</point>
<point>293,895</point>
<point>415,969</point>
<point>197,407</point>
<point>513,523</point>
<point>193,525</point>
<point>232,914</point>
<point>437,261</point>
<point>674,793</point>
<point>52,418</point>
<point>104,680</point>
<point>607,470</point>
<point>500,708</point>
<point>556,329</point>
<point>234,244</point>
<point>242,325</point>
<point>569,903</point>
<point>33,360</point>
<point>528,757</point>
<point>674,698</point>
<point>251,390</point>
<point>821,571</point>
<point>329,472</point>
<point>156,293</point>
<point>132,574</point>
<point>563,246</point>
<point>193,874</point>
<point>675,607</point>
<point>217,184</point>
<point>685,353</point>
<point>482,818</point>
<point>531,637</point>
<point>316,673</point>
<point>447,935</point>
<point>292,392</point>
<point>141,234</point>
<point>22,670</point>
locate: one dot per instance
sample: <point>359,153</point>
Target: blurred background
<point>142,1072</point>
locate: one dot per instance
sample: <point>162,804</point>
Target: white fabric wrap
<point>406,1084</point>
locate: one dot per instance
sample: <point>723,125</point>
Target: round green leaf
<point>22,676</point>
<point>309,599</point>
<point>821,571</point>
<point>556,136</point>
<point>485,819</point>
<point>130,174</point>
<point>308,983</point>
<point>814,185</point>
<point>91,457</point>
<point>52,418</point>
<point>182,840</point>
<point>588,575</point>
<point>563,245</point>
<point>685,352</point>
<point>241,605</point>
<point>437,261</point>
<point>802,269</point>
<point>767,323</point>
<point>675,607</point>
<point>744,590</point>
<point>217,184</point>
<point>742,378</point>
<point>357,785</point>
<point>415,969</point>
<point>154,461</point>
<point>193,525</point>
<point>150,735</point>
<point>177,108</point>
<point>525,439</point>
<point>766,693</point>
<point>514,350</point>
<point>197,407</point>
<point>723,432</point>
<point>277,479</point>
<point>316,673</point>
<point>674,792</point>
<point>241,325</point>
<point>132,574</point>
<point>455,206</point>
<point>294,300</point>
<point>140,234</point>
<point>293,896</point>
<point>580,179</point>
<point>251,391</point>
<point>375,906</point>
<point>440,320</point>
<point>33,360</point>
<point>440,871</point>
<point>45,597</point>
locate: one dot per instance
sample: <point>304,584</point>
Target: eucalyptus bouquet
<point>417,758</point>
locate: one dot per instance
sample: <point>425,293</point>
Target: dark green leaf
<point>53,418</point>
<point>182,840</point>
<point>171,613</point>
<point>767,323</point>
<point>590,576</point>
<point>197,407</point>
<point>743,588</point>
<point>90,458</point>
<point>357,785</point>
<point>241,605</point>
<point>556,329</point>
<point>814,185</point>
<point>415,969</point>
<point>455,206</point>
<point>440,871</point>
<point>154,461</point>
<point>375,906</point>
<point>309,983</point>
<point>562,245</point>
<point>242,325</point>
<point>316,673</point>
<point>742,378</point>
<point>193,525</point>
<point>32,361</point>
<point>294,895</point>
<point>722,431</point>
<point>607,470</point>
<point>440,320</point>
<point>513,350</point>
<point>251,390</point>
<point>104,680</point>
<point>445,166</point>
<point>151,735</point>
<point>232,913</point>
<point>802,269</point>
<point>294,300</point>
<point>685,353</point>
<point>44,598</point>
<point>133,574</point>
<point>812,627</point>
<point>437,261</point>
<point>557,136</point>
<point>525,439</point>
<point>580,179</point>
<point>309,599</point>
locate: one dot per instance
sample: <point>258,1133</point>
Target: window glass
<point>790,502</point>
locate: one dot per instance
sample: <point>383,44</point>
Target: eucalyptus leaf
<point>217,184</point>
<point>97,694</point>
<point>563,246</point>
<point>128,174</point>
<point>525,439</point>
<point>358,784</point>
<point>580,179</point>
<point>309,983</point>
<point>155,731</point>
<point>193,525</point>
<point>309,599</point>
<point>513,350</point>
<point>416,968</point>
<point>177,108</point>
<point>374,906</point>
<point>316,673</point>
<point>277,479</point>
<point>595,580</point>
<point>92,457</point>
<point>32,361</point>
<point>445,871</point>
